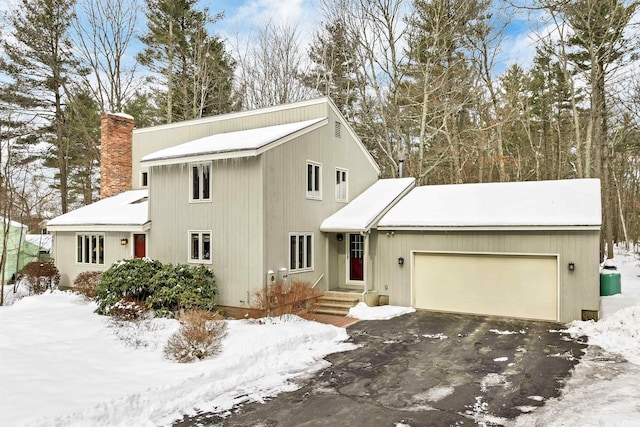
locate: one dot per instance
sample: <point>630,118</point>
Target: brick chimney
<point>116,136</point>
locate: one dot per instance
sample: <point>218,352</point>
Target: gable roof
<point>364,211</point>
<point>552,204</point>
<point>127,211</point>
<point>244,143</point>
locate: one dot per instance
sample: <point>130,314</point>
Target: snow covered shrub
<point>282,298</point>
<point>182,287</point>
<point>200,336</point>
<point>40,276</point>
<point>87,282</point>
<point>128,309</point>
<point>130,278</point>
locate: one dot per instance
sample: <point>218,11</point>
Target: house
<point>20,250</point>
<point>290,192</point>
<point>243,193</point>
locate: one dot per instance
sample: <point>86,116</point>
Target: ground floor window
<point>200,246</point>
<point>90,249</point>
<point>300,252</point>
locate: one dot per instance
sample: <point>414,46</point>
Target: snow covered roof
<point>125,211</point>
<point>13,223</point>
<point>563,203</point>
<point>41,240</point>
<point>244,143</point>
<point>362,212</point>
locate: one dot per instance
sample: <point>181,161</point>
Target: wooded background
<point>419,81</point>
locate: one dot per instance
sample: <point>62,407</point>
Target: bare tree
<point>270,68</point>
<point>377,30</point>
<point>105,30</point>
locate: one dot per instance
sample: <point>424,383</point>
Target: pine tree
<point>335,70</point>
<point>192,64</point>
<point>39,62</point>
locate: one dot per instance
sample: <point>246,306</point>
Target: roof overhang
<point>133,228</point>
<point>491,228</point>
<point>234,154</point>
<point>346,219</point>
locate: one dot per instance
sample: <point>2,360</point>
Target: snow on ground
<point>63,365</point>
<point>384,312</point>
<point>604,389</point>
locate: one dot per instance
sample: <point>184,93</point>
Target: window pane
<point>206,246</point>
<point>87,250</point>
<point>101,249</point>
<point>94,250</point>
<point>145,179</point>
<point>317,178</point>
<point>79,249</point>
<point>300,251</point>
<point>205,182</point>
<point>292,252</point>
<point>195,246</point>
<point>309,177</point>
<point>195,183</point>
<point>309,251</point>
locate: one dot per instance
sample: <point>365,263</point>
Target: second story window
<point>201,182</point>
<point>341,185</point>
<point>314,178</point>
<point>144,179</point>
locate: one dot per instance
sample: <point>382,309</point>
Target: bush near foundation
<point>40,276</point>
<point>182,287</point>
<point>199,337</point>
<point>164,288</point>
<point>131,278</point>
<point>87,282</point>
<point>282,298</point>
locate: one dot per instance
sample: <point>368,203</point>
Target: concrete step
<point>335,312</point>
<point>337,303</point>
<point>343,294</point>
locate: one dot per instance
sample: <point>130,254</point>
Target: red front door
<point>356,257</point>
<point>140,248</point>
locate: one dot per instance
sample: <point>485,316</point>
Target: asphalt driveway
<point>425,369</point>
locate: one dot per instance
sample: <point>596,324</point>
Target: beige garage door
<point>501,285</point>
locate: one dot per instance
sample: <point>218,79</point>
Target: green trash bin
<point>609,282</point>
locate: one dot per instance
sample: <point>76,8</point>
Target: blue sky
<point>247,16</point>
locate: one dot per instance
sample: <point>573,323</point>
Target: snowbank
<point>604,388</point>
<point>384,312</point>
<point>62,364</point>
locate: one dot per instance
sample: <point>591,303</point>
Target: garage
<point>526,250</point>
<point>524,286</point>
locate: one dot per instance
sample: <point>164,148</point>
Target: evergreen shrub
<point>164,288</point>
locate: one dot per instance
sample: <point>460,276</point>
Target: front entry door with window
<point>140,245</point>
<point>356,257</point>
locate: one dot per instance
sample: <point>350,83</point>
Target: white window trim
<point>200,260</point>
<point>297,235</point>
<point>90,234</point>
<point>190,174</point>
<point>313,194</point>
<point>344,199</point>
